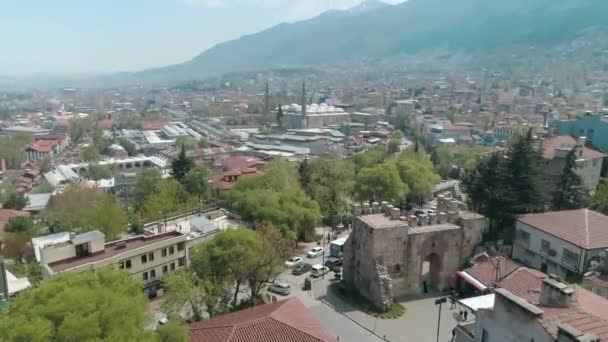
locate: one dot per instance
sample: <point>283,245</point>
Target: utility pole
<point>439,302</point>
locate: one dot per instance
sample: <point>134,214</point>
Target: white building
<point>561,242</point>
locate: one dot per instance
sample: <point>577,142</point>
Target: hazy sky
<point>112,35</point>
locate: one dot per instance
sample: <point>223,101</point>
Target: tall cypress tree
<point>181,165</point>
<point>280,115</point>
<point>523,167</point>
<point>570,192</point>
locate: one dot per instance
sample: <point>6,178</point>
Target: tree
<point>20,224</point>
<point>380,183</point>
<point>522,165</point>
<point>98,172</point>
<point>275,197</point>
<point>128,146</point>
<point>330,183</point>
<point>419,175</point>
<point>599,201</point>
<point>44,164</point>
<point>173,331</point>
<point>15,201</point>
<point>80,127</point>
<point>83,209</point>
<point>197,181</point>
<point>91,153</point>
<point>442,157</point>
<point>105,305</point>
<point>187,142</point>
<point>147,183</point>
<point>395,142</point>
<point>43,188</point>
<point>280,115</point>
<point>570,193</point>
<point>184,289</point>
<point>370,158</point>
<point>181,165</point>
<point>169,198</point>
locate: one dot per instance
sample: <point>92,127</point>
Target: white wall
<point>536,236</point>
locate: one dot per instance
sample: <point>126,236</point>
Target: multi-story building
<point>555,150</point>
<point>592,126</point>
<point>561,242</point>
<point>147,257</point>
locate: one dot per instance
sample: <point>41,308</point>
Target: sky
<point>100,36</point>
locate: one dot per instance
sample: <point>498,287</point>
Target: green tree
<point>570,193</point>
<point>80,127</point>
<point>170,198</point>
<point>91,153</point>
<point>185,289</point>
<point>599,201</point>
<point>173,331</point>
<point>522,165</point>
<point>187,142</point>
<point>15,201</point>
<point>280,115</point>
<point>128,146</point>
<point>147,183</point>
<point>20,224</point>
<point>419,175</point>
<point>105,305</point>
<point>43,188</point>
<point>442,157</point>
<point>370,158</point>
<point>44,164</point>
<point>98,172</point>
<point>181,165</point>
<point>395,141</point>
<point>330,183</point>
<point>83,209</point>
<point>380,183</point>
<point>197,182</point>
<point>275,197</point>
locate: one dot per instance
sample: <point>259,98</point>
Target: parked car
<point>291,262</point>
<point>315,252</point>
<point>332,262</point>
<point>301,268</point>
<point>280,288</point>
<point>319,270</point>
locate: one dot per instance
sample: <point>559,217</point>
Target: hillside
<point>375,30</point>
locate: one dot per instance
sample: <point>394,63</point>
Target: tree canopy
<point>570,192</point>
<point>15,201</point>
<point>419,175</point>
<point>599,201</point>
<point>169,197</point>
<point>380,183</point>
<point>197,182</point>
<point>106,305</point>
<point>181,165</point>
<point>330,182</point>
<point>188,142</point>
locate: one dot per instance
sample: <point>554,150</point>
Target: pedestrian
<point>466,313</point>
<point>452,302</point>
<point>453,334</point>
<point>461,314</point>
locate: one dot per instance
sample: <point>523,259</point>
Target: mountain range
<point>375,30</point>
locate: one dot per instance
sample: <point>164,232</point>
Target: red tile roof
<point>485,269</point>
<point>549,146</point>
<point>240,162</point>
<point>284,321</point>
<point>105,123</point>
<point>154,125</point>
<point>588,313</point>
<point>43,146</point>
<point>583,227</point>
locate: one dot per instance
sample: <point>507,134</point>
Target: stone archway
<point>430,273</point>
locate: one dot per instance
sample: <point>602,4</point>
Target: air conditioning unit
<point>120,245</point>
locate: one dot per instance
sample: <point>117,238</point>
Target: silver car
<point>280,288</point>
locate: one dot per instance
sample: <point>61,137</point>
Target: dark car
<point>333,262</point>
<point>301,268</point>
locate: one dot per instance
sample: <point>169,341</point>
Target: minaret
<point>267,99</point>
<point>304,102</point>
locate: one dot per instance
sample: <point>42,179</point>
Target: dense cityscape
<point>436,196</point>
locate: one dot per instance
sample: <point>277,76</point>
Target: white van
<point>319,270</point>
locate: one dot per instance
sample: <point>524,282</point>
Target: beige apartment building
<point>146,257</point>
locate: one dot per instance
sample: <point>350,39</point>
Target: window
<point>121,265</point>
<point>594,162</point>
<point>523,237</point>
<point>153,274</point>
<point>144,259</point>
<point>180,246</point>
<point>151,256</point>
<point>172,266</point>
<point>181,262</point>
<point>164,252</point>
<point>145,275</point>
<point>545,246</point>
<point>570,258</point>
<point>165,269</point>
<point>171,250</point>
<point>128,264</point>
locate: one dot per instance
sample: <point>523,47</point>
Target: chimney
<point>389,209</point>
<point>581,141</point>
<point>567,333</point>
<point>383,206</point>
<point>356,209</point>
<point>555,294</point>
<point>376,208</point>
<point>395,214</point>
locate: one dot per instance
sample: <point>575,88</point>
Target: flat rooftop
<point>110,250</point>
